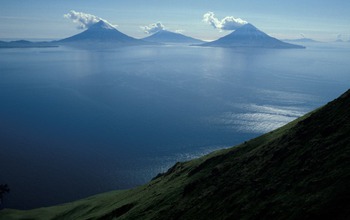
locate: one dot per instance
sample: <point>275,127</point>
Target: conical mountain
<point>101,32</point>
<point>166,37</point>
<point>249,36</point>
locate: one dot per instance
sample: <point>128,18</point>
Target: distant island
<point>248,36</point>
<point>104,34</point>
<point>168,37</point>
<point>26,44</point>
<point>302,40</point>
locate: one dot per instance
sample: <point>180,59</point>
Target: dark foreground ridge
<point>299,171</point>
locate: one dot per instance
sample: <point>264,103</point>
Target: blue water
<point>77,122</point>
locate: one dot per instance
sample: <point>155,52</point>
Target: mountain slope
<point>299,171</point>
<point>251,37</point>
<point>101,32</point>
<point>164,36</point>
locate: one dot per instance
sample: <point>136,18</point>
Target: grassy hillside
<point>299,171</point>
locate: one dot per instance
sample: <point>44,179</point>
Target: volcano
<point>248,36</point>
<point>168,37</point>
<point>102,32</point>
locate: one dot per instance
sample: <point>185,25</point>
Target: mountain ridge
<point>299,171</point>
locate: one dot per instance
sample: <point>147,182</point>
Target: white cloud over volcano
<point>227,23</point>
<point>84,20</point>
<point>153,28</point>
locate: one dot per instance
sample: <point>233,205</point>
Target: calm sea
<point>77,122</point>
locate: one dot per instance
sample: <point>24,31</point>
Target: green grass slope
<point>299,171</point>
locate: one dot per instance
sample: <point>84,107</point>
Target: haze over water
<point>78,122</point>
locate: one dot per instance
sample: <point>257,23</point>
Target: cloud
<point>227,23</point>
<point>84,20</point>
<point>153,28</point>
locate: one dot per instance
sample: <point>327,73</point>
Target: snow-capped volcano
<point>164,36</point>
<point>102,32</point>
<point>102,25</point>
<point>249,36</point>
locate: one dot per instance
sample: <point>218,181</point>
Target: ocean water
<point>77,122</point>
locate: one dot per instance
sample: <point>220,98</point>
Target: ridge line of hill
<point>299,171</point>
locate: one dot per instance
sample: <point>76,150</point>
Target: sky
<point>326,20</point>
